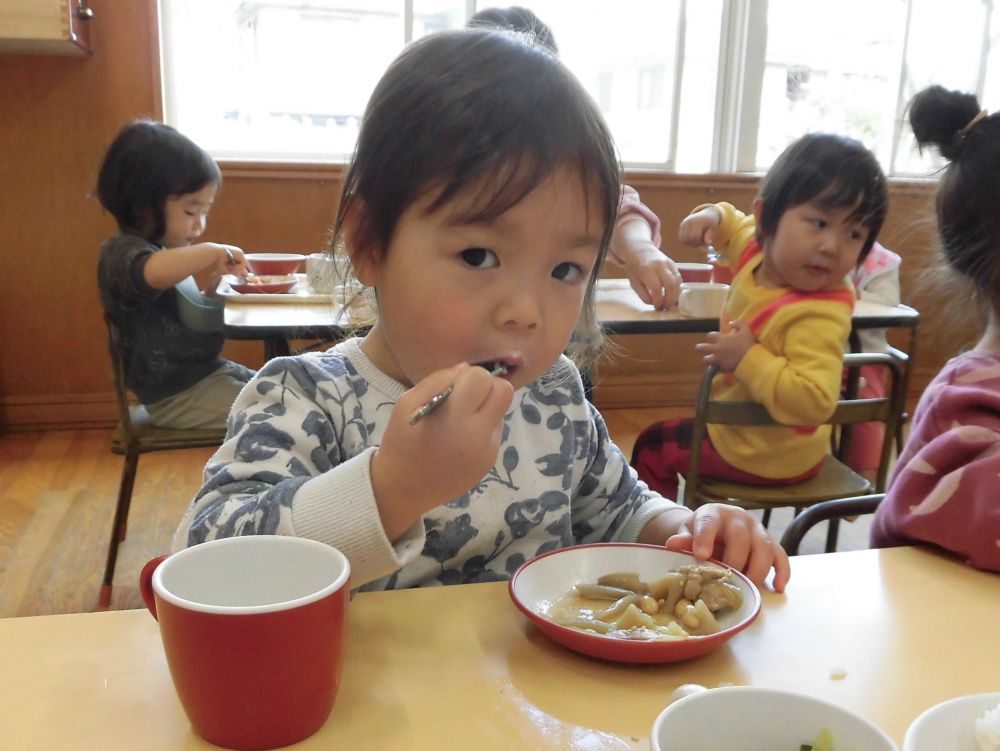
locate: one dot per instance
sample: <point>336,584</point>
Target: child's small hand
<point>698,228</point>
<point>419,467</point>
<point>731,535</point>
<point>727,350</point>
<point>230,260</point>
<point>653,276</point>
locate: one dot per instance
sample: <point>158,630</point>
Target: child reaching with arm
<point>481,225</point>
<point>944,488</point>
<point>635,243</point>
<point>787,317</point>
<point>160,186</point>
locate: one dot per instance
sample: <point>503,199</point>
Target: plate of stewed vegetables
<point>629,602</point>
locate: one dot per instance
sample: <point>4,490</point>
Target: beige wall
<point>57,115</point>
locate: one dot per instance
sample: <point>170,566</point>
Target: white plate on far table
<point>302,292</point>
<point>949,726</point>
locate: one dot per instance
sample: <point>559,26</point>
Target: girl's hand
<point>653,276</point>
<point>727,350</point>
<point>418,467</point>
<point>230,260</point>
<point>725,533</point>
<point>698,228</point>
<point>731,535</point>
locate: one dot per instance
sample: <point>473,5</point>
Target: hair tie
<point>971,124</point>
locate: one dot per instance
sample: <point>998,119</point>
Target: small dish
<point>267,284</point>
<point>949,725</point>
<point>753,717</point>
<point>538,583</point>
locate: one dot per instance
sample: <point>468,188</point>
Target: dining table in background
<point>619,310</point>
<point>280,323</point>
<point>885,633</point>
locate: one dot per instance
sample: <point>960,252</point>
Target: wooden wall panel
<point>57,115</point>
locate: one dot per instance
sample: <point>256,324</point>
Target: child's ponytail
<point>968,220</point>
<point>943,119</point>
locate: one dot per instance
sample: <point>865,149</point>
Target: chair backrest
<point>839,508</point>
<point>848,411</point>
<point>118,378</point>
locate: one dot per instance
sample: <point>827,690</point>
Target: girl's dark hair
<point>145,164</point>
<point>832,170</point>
<point>484,113</point>
<point>968,212</point>
<point>516,19</point>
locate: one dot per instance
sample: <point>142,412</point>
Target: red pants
<point>663,451</point>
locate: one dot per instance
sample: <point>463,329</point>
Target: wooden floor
<point>57,497</point>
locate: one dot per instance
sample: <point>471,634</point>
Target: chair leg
<point>831,535</point>
<point>129,472</point>
<point>118,526</point>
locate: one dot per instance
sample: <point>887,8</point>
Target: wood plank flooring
<point>57,496</point>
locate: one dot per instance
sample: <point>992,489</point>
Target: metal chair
<point>839,508</point>
<point>835,479</point>
<point>135,435</point>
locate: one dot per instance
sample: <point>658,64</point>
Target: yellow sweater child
<point>787,316</point>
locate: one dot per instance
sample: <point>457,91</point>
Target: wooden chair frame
<point>835,480</point>
<point>838,508</point>
<point>135,435</point>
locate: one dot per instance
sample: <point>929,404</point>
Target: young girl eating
<point>787,317</point>
<point>160,186</point>
<point>479,206</point>
<point>943,490</point>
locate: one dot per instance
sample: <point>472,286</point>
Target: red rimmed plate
<point>265,285</point>
<point>538,583</point>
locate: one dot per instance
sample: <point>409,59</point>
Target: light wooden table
<point>460,668</point>
<point>619,310</point>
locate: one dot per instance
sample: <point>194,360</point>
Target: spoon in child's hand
<point>438,399</point>
<point>232,260</point>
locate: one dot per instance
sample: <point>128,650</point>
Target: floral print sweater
<point>944,489</point>
<point>296,462</point>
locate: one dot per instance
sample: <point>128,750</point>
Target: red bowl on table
<point>265,285</point>
<point>695,272</point>
<point>274,263</point>
<point>538,583</point>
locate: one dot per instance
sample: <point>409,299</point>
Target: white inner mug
<point>702,299</point>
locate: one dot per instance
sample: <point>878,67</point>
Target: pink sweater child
<point>946,487</point>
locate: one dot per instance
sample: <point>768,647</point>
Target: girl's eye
<point>481,258</point>
<point>567,272</point>
<point>818,223</point>
<point>856,235</point>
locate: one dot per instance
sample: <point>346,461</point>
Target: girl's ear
<point>360,249</point>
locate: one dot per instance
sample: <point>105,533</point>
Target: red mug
<point>253,629</point>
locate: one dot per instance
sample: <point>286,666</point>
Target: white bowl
<point>949,726</point>
<point>750,718</point>
<point>538,583</point>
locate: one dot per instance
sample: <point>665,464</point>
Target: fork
<point>438,399</point>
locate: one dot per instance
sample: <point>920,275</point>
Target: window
<point>685,85</point>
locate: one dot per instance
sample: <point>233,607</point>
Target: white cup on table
<point>320,272</point>
<point>702,299</point>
